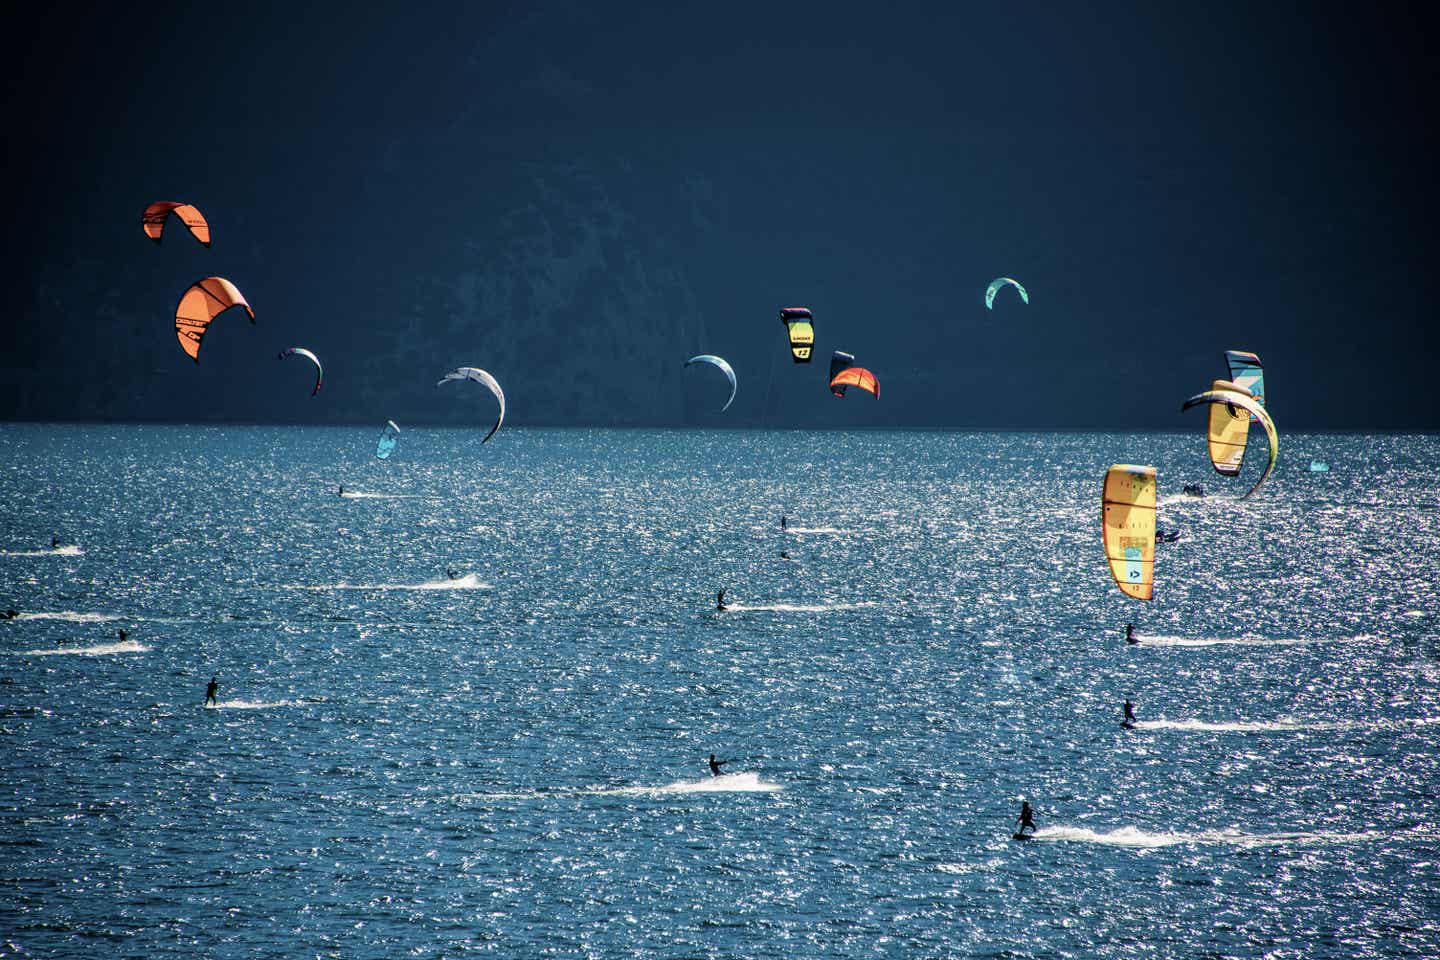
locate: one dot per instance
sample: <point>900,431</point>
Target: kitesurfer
<point>1026,818</point>
<point>450,572</point>
<point>10,614</point>
<point>782,521</point>
<point>784,554</point>
<point>720,601</point>
<point>1130,633</point>
<point>54,543</point>
<point>715,765</point>
<point>342,490</point>
<point>123,635</point>
<point>210,690</point>
<point>1129,714</point>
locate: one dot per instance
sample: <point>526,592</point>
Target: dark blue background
<point>577,197</point>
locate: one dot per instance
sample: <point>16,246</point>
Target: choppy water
<point>510,761</point>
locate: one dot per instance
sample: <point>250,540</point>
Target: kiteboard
<point>1022,836</point>
<point>1127,725</point>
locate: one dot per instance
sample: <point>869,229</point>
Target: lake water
<point>466,707</point>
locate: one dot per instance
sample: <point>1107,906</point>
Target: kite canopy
<point>725,368</point>
<point>1227,432</point>
<point>855,377</point>
<point>389,437</point>
<point>202,302</point>
<point>1247,373</point>
<point>801,327</point>
<point>1127,511</point>
<point>319,370</point>
<point>995,286</point>
<point>839,360</point>
<point>1223,393</point>
<point>153,220</point>
<point>479,376</point>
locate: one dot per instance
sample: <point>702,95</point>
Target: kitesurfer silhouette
<point>720,601</point>
<point>450,572</point>
<point>1130,633</point>
<point>715,766</point>
<point>342,490</point>
<point>54,543</point>
<point>1026,818</point>
<point>122,636</point>
<point>210,690</point>
<point>784,555</point>
<point>1129,715</point>
<point>782,521</point>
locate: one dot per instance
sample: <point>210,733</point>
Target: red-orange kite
<point>204,301</point>
<point>153,220</point>
<point>857,377</point>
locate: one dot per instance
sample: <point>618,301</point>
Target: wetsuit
<point>1129,712</point>
<point>211,690</point>
<point>1027,816</point>
<point>720,601</point>
<point>715,765</point>
<point>1130,633</point>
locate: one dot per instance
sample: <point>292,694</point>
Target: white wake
<point>97,650</point>
<point>1135,837</point>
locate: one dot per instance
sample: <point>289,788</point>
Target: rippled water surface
<point>465,708</point>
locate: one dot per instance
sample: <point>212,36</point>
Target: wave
<point>74,616</point>
<point>1135,837</point>
<point>250,704</point>
<point>97,650</point>
<point>67,551</point>
<point>468,582</point>
<point>1161,640</point>
<point>794,607</point>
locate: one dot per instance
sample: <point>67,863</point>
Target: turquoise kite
<point>995,286</point>
<point>389,437</point>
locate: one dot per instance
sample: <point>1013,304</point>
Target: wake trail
<point>74,616</point>
<point>816,531</point>
<point>728,783</point>
<point>1143,839</point>
<point>70,551</point>
<point>1285,725</point>
<point>468,582</point>
<point>361,495</point>
<point>1161,640</point>
<point>251,704</point>
<point>96,650</point>
<point>793,607</point>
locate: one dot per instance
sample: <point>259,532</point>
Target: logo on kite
<point>995,286</point>
<point>302,352</point>
<point>201,303</point>
<point>801,327</point>
<point>153,220</point>
<point>725,368</point>
<point>460,374</point>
